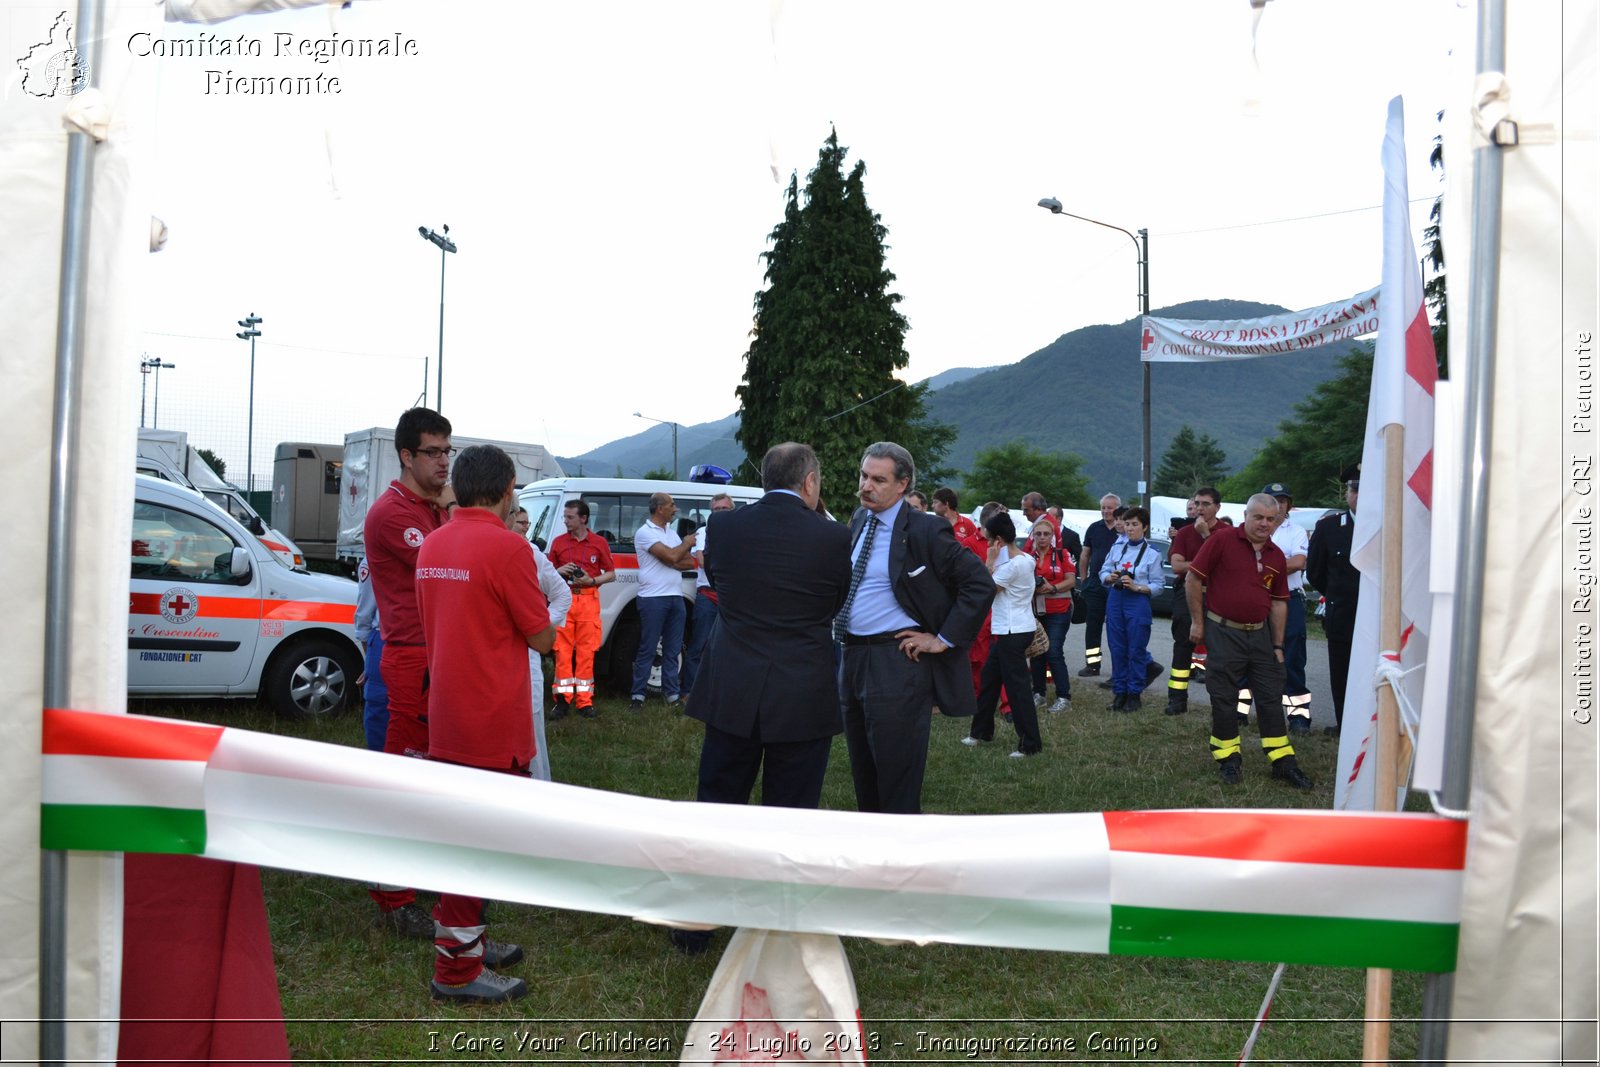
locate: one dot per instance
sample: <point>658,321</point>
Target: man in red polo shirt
<point>397,523</point>
<point>1240,613</point>
<point>584,559</point>
<point>482,609</point>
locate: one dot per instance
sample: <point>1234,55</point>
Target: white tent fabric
<point>33,150</point>
<point>1527,961</point>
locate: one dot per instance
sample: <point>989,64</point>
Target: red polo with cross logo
<point>1239,586</point>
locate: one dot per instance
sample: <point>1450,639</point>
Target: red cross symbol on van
<point>177,605</point>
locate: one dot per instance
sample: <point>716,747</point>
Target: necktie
<point>841,622</point>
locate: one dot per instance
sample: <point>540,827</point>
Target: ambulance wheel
<point>313,679</point>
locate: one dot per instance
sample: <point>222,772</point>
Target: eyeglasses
<point>435,453</point>
<point>1353,486</point>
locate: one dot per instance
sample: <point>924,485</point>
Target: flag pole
<point>1385,770</point>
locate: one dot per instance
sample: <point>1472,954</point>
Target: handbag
<point>1040,643</point>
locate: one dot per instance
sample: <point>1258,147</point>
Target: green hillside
<point>1081,394</point>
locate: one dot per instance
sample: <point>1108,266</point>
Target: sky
<point>610,172</point>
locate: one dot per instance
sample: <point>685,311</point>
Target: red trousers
<point>405,672</point>
<point>459,924</point>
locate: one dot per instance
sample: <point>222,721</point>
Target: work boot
<point>1091,671</point>
<point>1231,770</point>
<point>1131,702</point>
<point>587,711</point>
<point>558,710</point>
<point>1177,703</point>
<point>1299,724</point>
<point>408,921</point>
<point>1106,684</point>
<point>498,954</point>
<point>1152,671</point>
<point>487,988</point>
<point>1288,771</point>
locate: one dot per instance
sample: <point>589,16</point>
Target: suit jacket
<point>781,573</point>
<point>946,589</point>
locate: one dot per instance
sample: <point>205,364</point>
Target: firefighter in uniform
<point>584,559</point>
<point>1097,541</point>
<point>1239,605</point>
<point>1331,573</point>
<point>1186,546</point>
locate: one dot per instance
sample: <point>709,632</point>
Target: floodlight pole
<point>249,333</point>
<point>674,426</point>
<point>1141,247</point>
<point>445,245</point>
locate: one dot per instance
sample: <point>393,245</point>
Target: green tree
<point>213,461</point>
<point>1433,290</point>
<point>1190,462</point>
<point>1321,440</point>
<point>660,474</point>
<point>1009,471</point>
<point>829,337</point>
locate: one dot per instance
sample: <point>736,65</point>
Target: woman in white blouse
<point>1012,624</point>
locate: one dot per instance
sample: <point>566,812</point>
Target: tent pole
<point>63,524</point>
<point>1483,287</point>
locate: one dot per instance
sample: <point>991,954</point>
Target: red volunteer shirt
<point>1187,543</point>
<point>478,591</point>
<point>592,553</point>
<point>966,532</point>
<point>397,523</point>
<point>1241,583</point>
<point>1053,567</point>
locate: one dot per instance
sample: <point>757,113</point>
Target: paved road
<point>1161,649</point>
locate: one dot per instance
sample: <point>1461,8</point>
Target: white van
<point>617,508</point>
<point>232,501</point>
<point>212,611</point>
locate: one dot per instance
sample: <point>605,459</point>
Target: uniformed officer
<point>1239,607</point>
<point>1332,574</point>
<point>1186,545</point>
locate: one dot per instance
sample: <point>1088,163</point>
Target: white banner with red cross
<point>1226,340</point>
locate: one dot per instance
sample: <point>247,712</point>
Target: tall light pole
<point>145,367</point>
<point>249,333</point>
<point>445,245</point>
<point>674,426</point>
<point>1141,248</point>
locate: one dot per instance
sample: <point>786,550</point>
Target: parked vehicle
<point>617,508</point>
<point>306,483</point>
<point>213,612</point>
<point>370,463</point>
<point>167,454</point>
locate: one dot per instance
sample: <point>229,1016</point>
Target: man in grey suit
<point>916,600</point>
<point>766,689</point>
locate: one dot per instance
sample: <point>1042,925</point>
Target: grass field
<point>351,992</point>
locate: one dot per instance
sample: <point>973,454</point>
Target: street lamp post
<point>1141,247</point>
<point>674,426</point>
<point>445,245</point>
<point>249,333</point>
<point>145,367</point>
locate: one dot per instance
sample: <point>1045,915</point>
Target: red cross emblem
<point>1146,339</point>
<point>179,605</point>
<point>413,537</point>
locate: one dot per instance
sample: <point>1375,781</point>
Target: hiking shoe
<point>1288,771</point>
<point>1152,671</point>
<point>636,704</point>
<point>1038,700</point>
<point>408,921</point>
<point>487,988</point>
<point>1231,770</point>
<point>1061,704</point>
<point>1299,724</point>
<point>1089,672</point>
<point>498,954</point>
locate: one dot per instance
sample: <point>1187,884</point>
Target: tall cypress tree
<point>828,336</point>
<point>1191,461</point>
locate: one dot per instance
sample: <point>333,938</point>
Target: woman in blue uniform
<point>1131,573</point>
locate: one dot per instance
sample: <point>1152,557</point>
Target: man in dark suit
<point>766,689</point>
<point>916,601</point>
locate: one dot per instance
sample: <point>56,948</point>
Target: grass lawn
<point>352,992</point>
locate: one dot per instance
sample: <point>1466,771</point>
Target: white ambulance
<point>617,508</point>
<point>214,612</point>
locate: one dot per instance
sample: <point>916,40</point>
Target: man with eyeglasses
<point>397,523</point>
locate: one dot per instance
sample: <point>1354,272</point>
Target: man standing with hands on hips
<point>1238,595</point>
<point>916,599</point>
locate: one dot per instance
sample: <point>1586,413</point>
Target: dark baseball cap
<point>1277,489</point>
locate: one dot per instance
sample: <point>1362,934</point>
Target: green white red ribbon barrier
<point>1313,887</point>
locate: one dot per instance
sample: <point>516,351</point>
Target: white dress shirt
<point>1013,595</point>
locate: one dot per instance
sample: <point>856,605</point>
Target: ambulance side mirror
<point>239,566</point>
